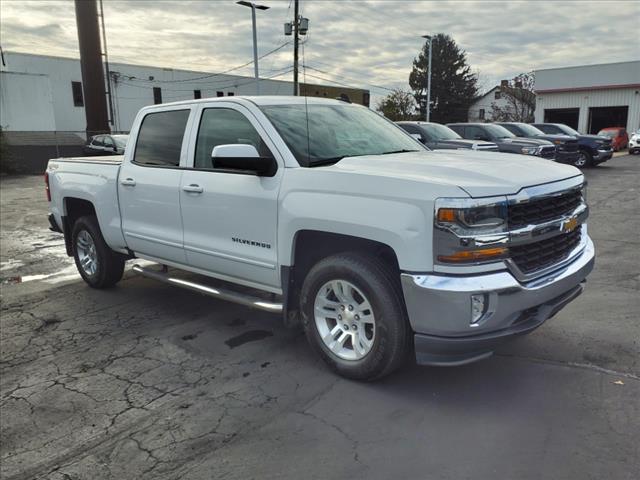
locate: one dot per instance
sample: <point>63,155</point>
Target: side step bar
<point>228,295</point>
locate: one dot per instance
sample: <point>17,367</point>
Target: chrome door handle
<point>128,182</point>
<point>193,188</point>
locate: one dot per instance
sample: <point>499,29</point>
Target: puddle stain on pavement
<point>246,337</point>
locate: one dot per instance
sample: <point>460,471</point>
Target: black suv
<point>441,137</point>
<point>593,148</point>
<point>566,145</point>
<point>506,141</point>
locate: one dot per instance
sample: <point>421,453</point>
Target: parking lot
<point>148,381</point>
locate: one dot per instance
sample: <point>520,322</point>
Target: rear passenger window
<point>223,126</point>
<point>160,138</point>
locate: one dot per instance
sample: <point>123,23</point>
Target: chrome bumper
<point>439,308</point>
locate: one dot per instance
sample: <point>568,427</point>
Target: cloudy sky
<point>368,44</point>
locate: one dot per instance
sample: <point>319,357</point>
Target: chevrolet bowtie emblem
<point>569,225</point>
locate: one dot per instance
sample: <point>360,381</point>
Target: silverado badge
<point>569,225</point>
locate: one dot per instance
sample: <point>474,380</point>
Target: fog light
<point>478,308</point>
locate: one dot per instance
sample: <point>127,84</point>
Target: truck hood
<point>480,174</point>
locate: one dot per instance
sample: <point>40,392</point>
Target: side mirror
<point>417,136</point>
<point>244,159</point>
<point>115,149</point>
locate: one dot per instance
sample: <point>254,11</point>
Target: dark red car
<point>618,136</point>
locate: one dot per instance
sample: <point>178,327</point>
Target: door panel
<point>230,219</point>
<point>149,186</point>
<point>151,220</point>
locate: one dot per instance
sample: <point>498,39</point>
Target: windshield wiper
<point>404,150</point>
<point>325,161</point>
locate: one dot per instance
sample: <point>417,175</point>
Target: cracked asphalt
<point>146,381</point>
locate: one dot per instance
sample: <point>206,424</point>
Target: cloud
<point>369,44</point>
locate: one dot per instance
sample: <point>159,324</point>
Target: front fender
<point>403,226</point>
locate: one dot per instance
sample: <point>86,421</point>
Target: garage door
<point>603,117</point>
<point>568,116</point>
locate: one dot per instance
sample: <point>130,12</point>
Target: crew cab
<point>506,141</point>
<point>593,149</point>
<point>441,137</point>
<point>335,218</point>
<point>566,145</point>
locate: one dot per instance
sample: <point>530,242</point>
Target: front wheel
<point>354,316</point>
<point>99,266</point>
<point>584,160</point>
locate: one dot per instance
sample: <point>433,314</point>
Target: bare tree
<point>521,101</point>
<point>398,105</point>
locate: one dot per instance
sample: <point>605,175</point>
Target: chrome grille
<point>539,211</point>
<point>539,255</point>
<point>548,151</point>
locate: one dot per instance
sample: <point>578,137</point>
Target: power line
<point>209,75</point>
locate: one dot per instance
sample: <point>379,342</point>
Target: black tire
<point>381,287</point>
<point>584,160</point>
<point>109,265</point>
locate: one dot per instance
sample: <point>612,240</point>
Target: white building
<point>590,97</point>
<point>40,93</point>
<point>481,109</point>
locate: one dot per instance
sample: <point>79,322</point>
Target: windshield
<point>608,133</point>
<point>121,140</point>
<point>335,132</point>
<point>529,130</point>
<point>568,130</point>
<point>440,132</point>
<point>498,131</point>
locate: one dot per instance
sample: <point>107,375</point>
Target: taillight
<point>46,186</point>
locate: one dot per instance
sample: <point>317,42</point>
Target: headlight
<point>530,150</point>
<point>558,142</point>
<point>468,231</point>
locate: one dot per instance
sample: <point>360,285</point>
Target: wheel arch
<point>74,208</point>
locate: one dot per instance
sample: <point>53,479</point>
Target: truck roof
<point>258,100</point>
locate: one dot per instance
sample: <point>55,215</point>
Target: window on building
<point>160,138</point>
<point>219,94</point>
<point>481,114</point>
<point>223,126</point>
<point>496,95</point>
<point>230,94</point>
<point>76,90</point>
<point>157,95</point>
<point>197,94</point>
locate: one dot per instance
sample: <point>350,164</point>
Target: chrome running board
<point>216,292</point>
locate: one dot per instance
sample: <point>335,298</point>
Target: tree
<point>453,84</point>
<point>398,105</point>
<point>521,101</point>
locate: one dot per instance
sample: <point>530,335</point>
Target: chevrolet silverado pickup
<point>334,217</point>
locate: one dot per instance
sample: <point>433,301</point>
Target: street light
<point>253,7</point>
<point>428,109</point>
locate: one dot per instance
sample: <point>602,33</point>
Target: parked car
<point>618,136</point>
<point>440,137</point>
<point>593,149</point>
<point>634,142</point>
<point>566,145</point>
<point>336,219</point>
<point>106,145</point>
<point>506,141</point>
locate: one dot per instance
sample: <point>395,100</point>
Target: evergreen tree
<point>453,85</point>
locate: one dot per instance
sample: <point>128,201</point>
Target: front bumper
<point>567,157</point>
<point>602,156</point>
<point>439,308</point>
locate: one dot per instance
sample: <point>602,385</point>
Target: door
<point>230,218</point>
<point>149,186</point>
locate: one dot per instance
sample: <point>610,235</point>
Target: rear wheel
<point>354,316</point>
<point>99,266</point>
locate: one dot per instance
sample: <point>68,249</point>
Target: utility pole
<point>428,106</point>
<point>253,7</point>
<point>298,27</point>
<point>106,64</point>
<point>296,38</point>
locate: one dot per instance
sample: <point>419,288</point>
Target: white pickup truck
<point>335,217</point>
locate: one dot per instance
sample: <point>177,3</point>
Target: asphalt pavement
<point>145,381</point>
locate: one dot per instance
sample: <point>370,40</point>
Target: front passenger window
<point>224,126</point>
